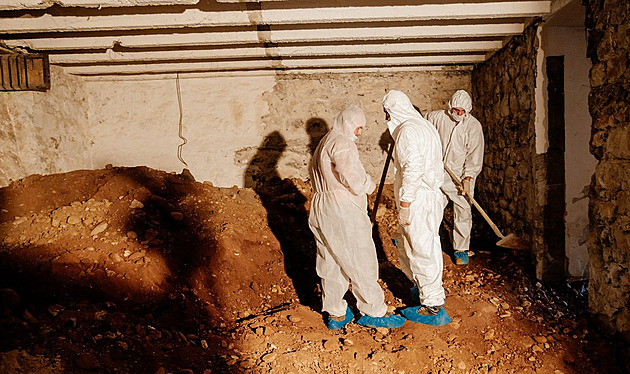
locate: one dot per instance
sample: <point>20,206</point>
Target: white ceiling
<point>106,37</point>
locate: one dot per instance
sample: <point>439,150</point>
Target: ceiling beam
<point>273,64</point>
<point>292,51</point>
<point>273,36</point>
<point>196,18</point>
<point>40,4</point>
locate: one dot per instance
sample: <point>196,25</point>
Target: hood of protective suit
<point>400,109</point>
<point>348,120</point>
<point>461,99</point>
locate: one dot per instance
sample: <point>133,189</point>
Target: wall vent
<point>24,72</point>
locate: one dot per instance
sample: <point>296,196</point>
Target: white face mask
<point>455,117</point>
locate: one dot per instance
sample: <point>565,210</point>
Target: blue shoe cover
<point>461,257</point>
<point>415,294</point>
<point>395,241</point>
<point>390,321</point>
<point>439,319</point>
<point>336,325</point>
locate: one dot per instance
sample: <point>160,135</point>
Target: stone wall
<point>44,132</point>
<point>608,25</point>
<point>504,102</point>
<point>303,107</point>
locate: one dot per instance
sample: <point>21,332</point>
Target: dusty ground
<point>133,270</point>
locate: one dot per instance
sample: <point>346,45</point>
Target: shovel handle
<point>382,183</point>
<point>474,202</point>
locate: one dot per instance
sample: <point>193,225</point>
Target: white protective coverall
<point>462,144</point>
<point>418,165</point>
<point>340,223</point>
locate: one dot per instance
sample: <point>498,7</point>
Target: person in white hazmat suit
<point>462,142</point>
<point>339,221</point>
<point>418,168</point>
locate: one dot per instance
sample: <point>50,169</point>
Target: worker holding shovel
<point>417,157</point>
<point>462,142</point>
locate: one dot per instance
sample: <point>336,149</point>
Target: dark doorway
<point>555,207</point>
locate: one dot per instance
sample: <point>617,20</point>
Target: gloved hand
<point>404,216</point>
<point>466,184</point>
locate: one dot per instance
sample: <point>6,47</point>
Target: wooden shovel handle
<point>382,183</point>
<point>474,202</point>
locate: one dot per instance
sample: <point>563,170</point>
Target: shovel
<point>382,183</point>
<point>511,241</point>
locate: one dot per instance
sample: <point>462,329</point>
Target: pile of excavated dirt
<point>134,270</point>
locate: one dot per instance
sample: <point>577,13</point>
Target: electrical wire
<point>179,103</point>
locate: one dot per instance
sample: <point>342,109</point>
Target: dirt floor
<point>134,270</point>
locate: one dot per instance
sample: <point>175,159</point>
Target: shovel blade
<point>511,241</point>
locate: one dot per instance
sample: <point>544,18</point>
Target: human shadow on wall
<point>316,128</point>
<point>286,215</point>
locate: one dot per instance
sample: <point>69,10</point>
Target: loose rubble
<point>137,270</point>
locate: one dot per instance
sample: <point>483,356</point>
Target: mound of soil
<point>134,270</point>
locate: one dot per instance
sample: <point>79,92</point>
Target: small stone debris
<point>55,309</point>
<point>99,228</point>
<point>540,339</point>
<point>87,361</point>
<point>135,204</point>
<point>269,357</point>
<point>73,219</point>
<point>294,319</point>
<point>177,216</point>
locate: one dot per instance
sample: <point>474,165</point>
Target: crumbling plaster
<point>236,126</point>
<point>44,132</point>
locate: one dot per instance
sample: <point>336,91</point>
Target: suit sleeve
<point>350,171</point>
<point>411,162</point>
<point>474,152</point>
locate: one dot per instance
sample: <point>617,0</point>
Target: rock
<point>87,361</point>
<point>204,344</point>
<point>269,357</point>
<point>135,204</point>
<point>8,298</point>
<point>132,235</point>
<point>540,339</point>
<point>55,309</point>
<point>29,317</point>
<point>489,335</point>
<point>73,219</point>
<point>99,228</point>
<point>160,370</point>
<point>294,319</point>
<point>177,216</point>
<point>136,256</point>
<point>462,365</point>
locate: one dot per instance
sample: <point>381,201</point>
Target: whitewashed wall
<point>44,132</point>
<point>570,42</point>
<point>226,120</point>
